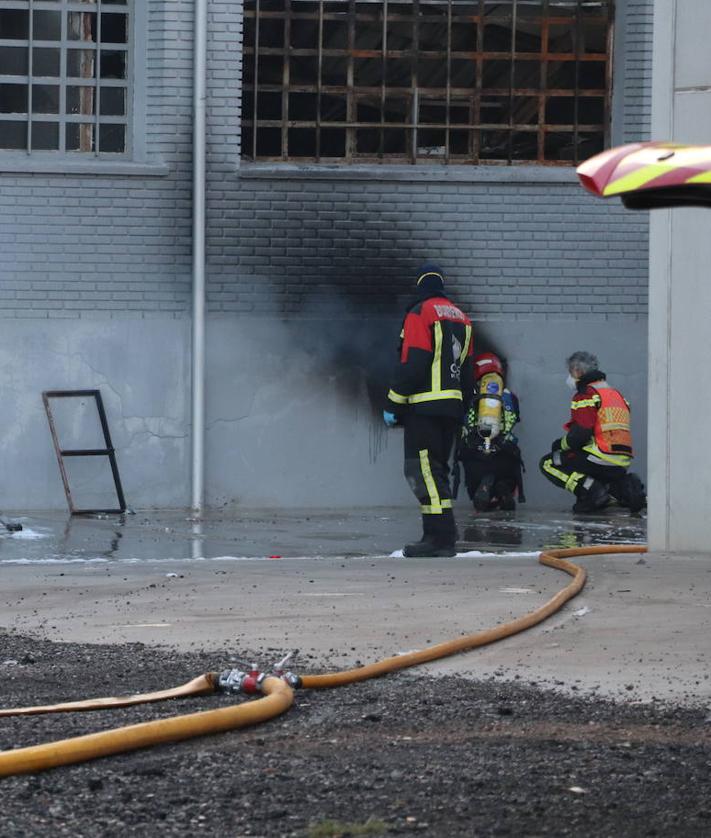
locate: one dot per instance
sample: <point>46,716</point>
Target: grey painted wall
<point>294,434</point>
<point>98,255</point>
<point>680,353</point>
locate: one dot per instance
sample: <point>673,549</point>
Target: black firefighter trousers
<point>429,441</point>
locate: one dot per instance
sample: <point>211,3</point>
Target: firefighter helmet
<point>487,362</point>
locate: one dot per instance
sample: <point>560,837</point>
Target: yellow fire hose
<point>278,695</point>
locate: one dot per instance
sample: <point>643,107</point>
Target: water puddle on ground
<point>55,538</point>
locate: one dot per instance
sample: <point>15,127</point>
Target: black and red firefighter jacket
<point>434,376</point>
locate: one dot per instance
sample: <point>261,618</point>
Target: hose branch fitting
<point>250,683</point>
<point>280,670</point>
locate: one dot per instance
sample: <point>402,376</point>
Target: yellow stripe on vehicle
<point>704,177</point>
<point>640,177</point>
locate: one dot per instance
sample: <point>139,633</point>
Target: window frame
<point>133,160</point>
<point>600,131</point>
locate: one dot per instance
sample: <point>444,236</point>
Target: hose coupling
<point>237,681</point>
<point>280,670</point>
<point>291,678</point>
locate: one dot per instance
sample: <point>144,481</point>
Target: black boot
<point>592,496</point>
<point>504,490</point>
<point>426,545</point>
<point>482,496</point>
<point>439,536</point>
<point>629,491</point>
<point>445,534</point>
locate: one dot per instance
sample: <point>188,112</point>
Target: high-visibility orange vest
<point>613,434</point>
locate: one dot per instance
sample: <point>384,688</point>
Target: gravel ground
<point>399,755</point>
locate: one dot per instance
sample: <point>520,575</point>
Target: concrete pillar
<point>679,468</point>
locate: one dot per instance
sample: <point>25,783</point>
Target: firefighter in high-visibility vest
<point>488,448</point>
<point>593,458</point>
<point>430,392</point>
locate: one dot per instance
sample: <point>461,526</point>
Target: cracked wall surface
<point>141,368</point>
<point>95,274</point>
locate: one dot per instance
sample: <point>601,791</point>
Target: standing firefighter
<point>488,448</point>
<point>592,459</point>
<point>430,391</point>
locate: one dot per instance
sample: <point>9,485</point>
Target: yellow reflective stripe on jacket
<point>467,341</point>
<point>592,402</point>
<point>437,360</point>
<point>435,396</point>
<point>396,397</point>
<point>435,502</point>
<point>564,444</point>
<point>622,460</point>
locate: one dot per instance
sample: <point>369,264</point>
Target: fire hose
<point>276,688</point>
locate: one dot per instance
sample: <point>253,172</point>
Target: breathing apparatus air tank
<point>490,390</point>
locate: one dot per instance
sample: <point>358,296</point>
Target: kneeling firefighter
<point>430,391</point>
<point>593,457</point>
<point>488,447</point>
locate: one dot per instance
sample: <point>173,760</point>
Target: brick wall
<point>99,246</point>
<point>637,19</point>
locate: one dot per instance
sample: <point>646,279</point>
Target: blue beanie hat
<point>430,278</point>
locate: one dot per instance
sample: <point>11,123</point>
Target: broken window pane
<point>302,142</point>
<point>81,63</point>
<point>333,108</point>
<point>80,136</point>
<point>302,107</point>
<point>333,142</point>
<point>462,63</point>
<point>56,75</point>
<point>81,26</point>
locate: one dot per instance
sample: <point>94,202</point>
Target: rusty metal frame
<point>107,451</point>
<point>473,95</point>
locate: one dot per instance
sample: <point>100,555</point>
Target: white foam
<point>28,534</point>
<point>480,554</point>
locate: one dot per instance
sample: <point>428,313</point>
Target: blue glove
<point>389,418</point>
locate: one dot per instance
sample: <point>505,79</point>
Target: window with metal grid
<point>483,81</point>
<point>65,76</point>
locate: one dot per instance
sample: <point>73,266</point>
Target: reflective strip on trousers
<point>431,510</point>
<point>569,481</point>
<point>435,502</point>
